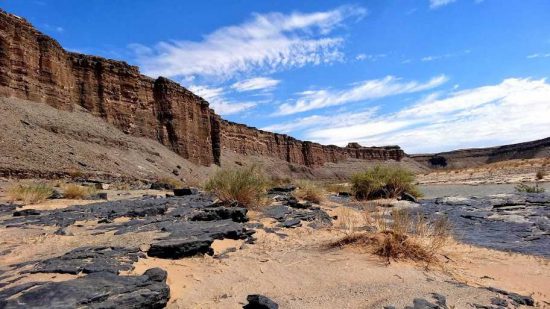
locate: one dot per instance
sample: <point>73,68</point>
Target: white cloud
<point>434,4</point>
<point>342,119</point>
<point>373,58</point>
<point>366,90</point>
<point>268,42</point>
<point>538,55</point>
<point>217,100</point>
<point>257,83</point>
<point>514,110</point>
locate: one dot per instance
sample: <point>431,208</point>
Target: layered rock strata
<point>35,67</point>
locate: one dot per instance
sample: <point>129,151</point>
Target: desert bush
<point>30,193</point>
<point>309,191</point>
<point>522,187</point>
<point>383,182</point>
<point>244,185</point>
<point>77,192</point>
<point>540,174</point>
<point>404,236</point>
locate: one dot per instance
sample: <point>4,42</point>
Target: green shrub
<point>244,185</point>
<point>30,193</point>
<point>383,182</point>
<point>529,189</point>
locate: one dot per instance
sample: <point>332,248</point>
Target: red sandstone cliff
<point>35,67</point>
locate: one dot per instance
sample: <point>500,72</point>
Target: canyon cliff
<point>35,67</point>
<point>473,157</point>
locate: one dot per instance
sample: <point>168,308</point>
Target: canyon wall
<point>478,156</point>
<point>35,67</point>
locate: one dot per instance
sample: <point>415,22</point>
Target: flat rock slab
<point>90,260</point>
<point>97,290</point>
<point>290,217</point>
<point>511,222</point>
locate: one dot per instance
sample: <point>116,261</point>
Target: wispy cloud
<point>267,42</point>
<point>445,56</point>
<point>366,90</point>
<point>218,101</point>
<point>434,4</point>
<point>514,110</point>
<point>538,55</point>
<point>58,29</point>
<point>257,83</point>
<point>369,57</point>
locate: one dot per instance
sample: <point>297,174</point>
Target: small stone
<point>256,301</point>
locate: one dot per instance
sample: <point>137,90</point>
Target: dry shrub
<point>403,237</point>
<point>383,182</point>
<point>77,192</point>
<point>540,174</point>
<point>309,191</point>
<point>244,185</point>
<point>30,193</point>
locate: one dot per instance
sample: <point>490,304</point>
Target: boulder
<point>185,191</point>
<point>179,248</point>
<point>256,301</point>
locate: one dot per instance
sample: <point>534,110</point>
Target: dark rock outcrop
<point>97,290</point>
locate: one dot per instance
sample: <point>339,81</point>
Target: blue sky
<point>429,75</point>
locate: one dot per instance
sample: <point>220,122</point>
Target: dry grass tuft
<point>403,237</point>
<point>30,193</point>
<point>244,185</point>
<point>309,191</point>
<point>77,192</point>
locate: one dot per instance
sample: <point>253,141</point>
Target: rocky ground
<point>149,249</point>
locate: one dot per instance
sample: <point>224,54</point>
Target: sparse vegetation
<point>540,174</point>
<point>309,191</point>
<point>31,193</point>
<point>522,187</point>
<point>244,185</point>
<point>404,236</point>
<point>383,182</point>
<point>77,192</point>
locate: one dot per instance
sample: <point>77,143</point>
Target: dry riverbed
<point>281,253</point>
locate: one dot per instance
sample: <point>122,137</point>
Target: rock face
<point>477,156</point>
<point>97,290</point>
<point>35,67</point>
